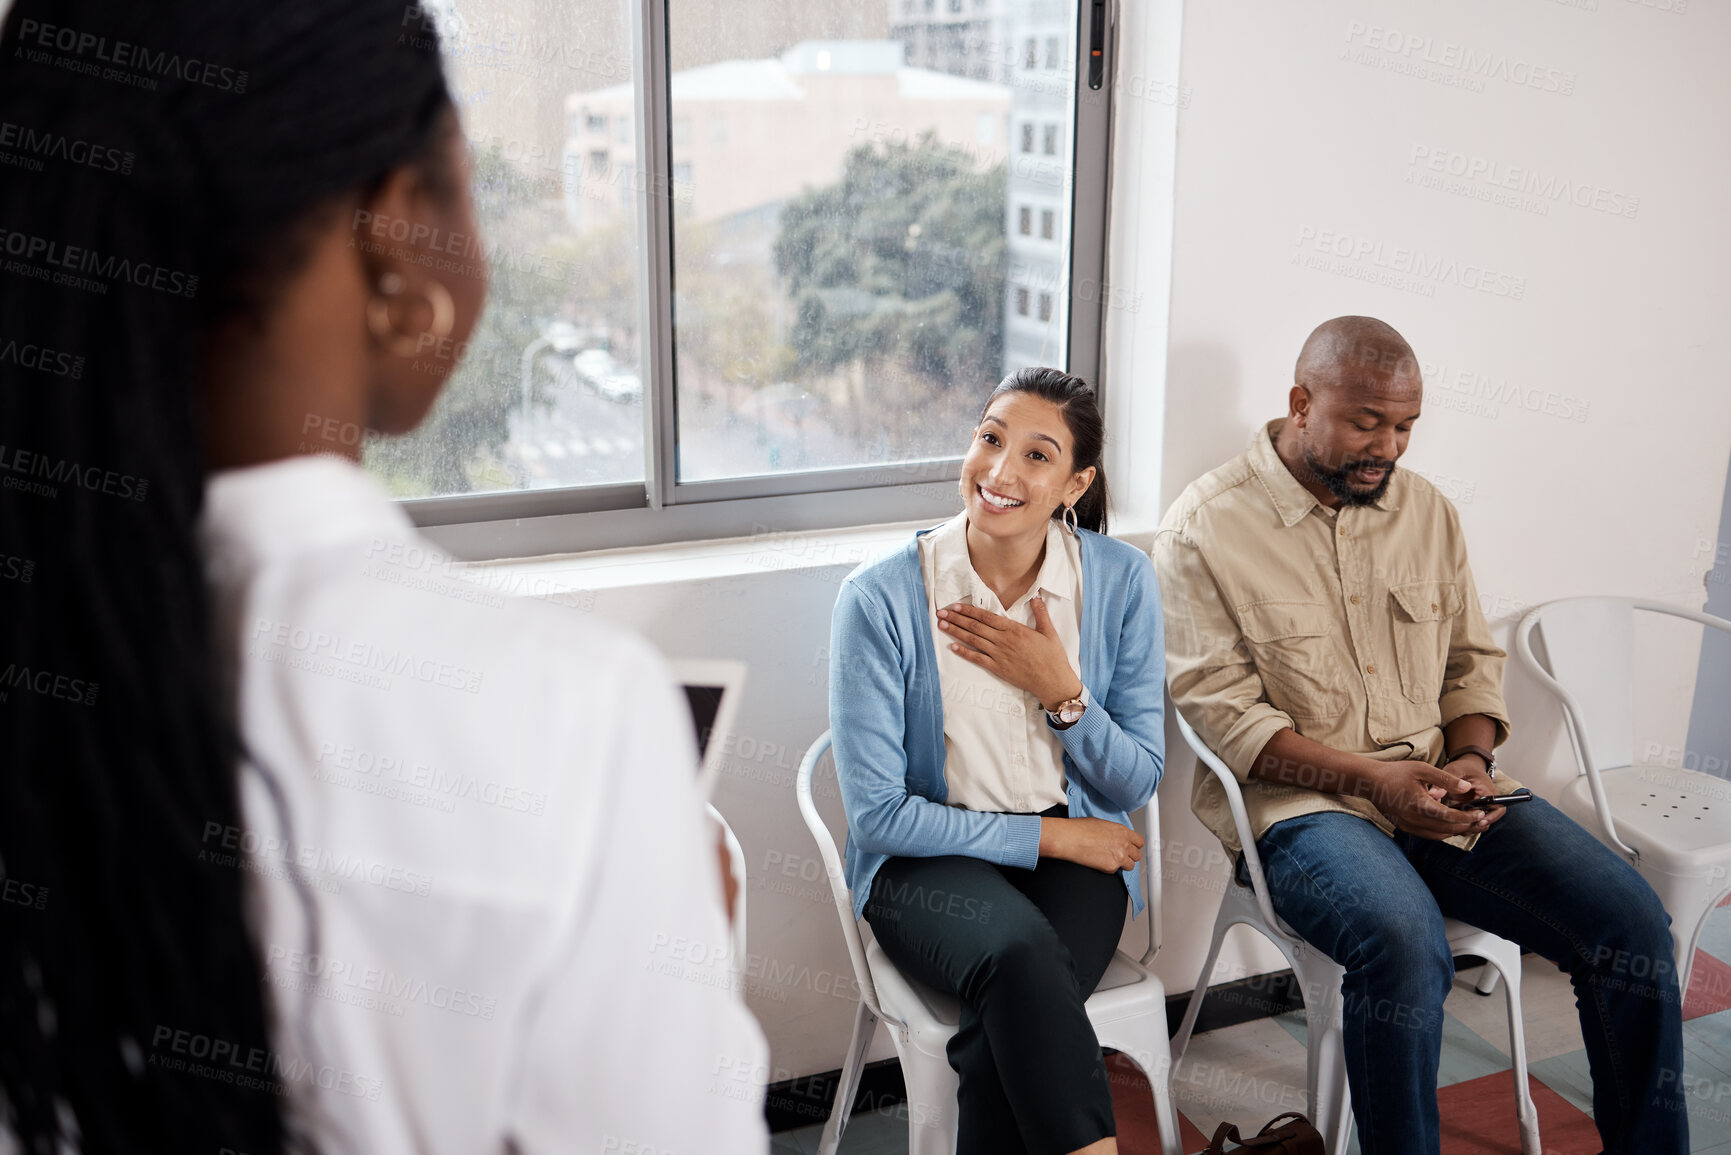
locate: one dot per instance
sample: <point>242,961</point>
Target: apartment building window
<point>691,349</point>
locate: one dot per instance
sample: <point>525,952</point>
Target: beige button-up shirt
<point>999,754</point>
<point>1360,628</point>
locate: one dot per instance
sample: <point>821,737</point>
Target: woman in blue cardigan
<point>996,700</point>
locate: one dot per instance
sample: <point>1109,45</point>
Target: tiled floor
<point>1254,1071</point>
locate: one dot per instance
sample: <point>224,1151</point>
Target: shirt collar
<point>955,570</point>
<point>1291,500</point>
<point>296,505</point>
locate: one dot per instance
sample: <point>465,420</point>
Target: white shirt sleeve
<point>639,1042</point>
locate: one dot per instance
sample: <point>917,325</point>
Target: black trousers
<point>1022,949</point>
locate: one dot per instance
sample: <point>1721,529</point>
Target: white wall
<point>1304,138</point>
<point>1618,318</point>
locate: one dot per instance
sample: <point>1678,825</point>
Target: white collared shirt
<point>999,753</point>
<point>493,803</point>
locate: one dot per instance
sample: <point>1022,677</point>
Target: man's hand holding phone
<point>1483,798</point>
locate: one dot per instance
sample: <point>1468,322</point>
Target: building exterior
<point>1041,169</point>
<point>750,133</point>
<point>1028,45</point>
<point>962,37</point>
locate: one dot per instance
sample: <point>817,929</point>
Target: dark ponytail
<point>1074,398</point>
<point>165,161</point>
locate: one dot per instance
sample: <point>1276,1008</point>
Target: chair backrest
<point>1209,762</point>
<point>1589,664</point>
<point>1589,650</point>
<point>837,874</point>
<point>1153,877</point>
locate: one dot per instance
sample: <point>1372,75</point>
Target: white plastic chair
<point>1319,978</point>
<point>1128,1008</point>
<point>736,859</point>
<point>1672,824</point>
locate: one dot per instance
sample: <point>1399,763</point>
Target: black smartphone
<point>1493,800</point>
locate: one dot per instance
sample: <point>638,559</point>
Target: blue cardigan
<point>887,716</point>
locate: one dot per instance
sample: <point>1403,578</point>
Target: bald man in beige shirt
<point>1324,636</point>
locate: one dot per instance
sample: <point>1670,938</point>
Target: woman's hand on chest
<point>1029,658</point>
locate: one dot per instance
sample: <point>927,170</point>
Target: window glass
<point>847,266</point>
<point>855,255</point>
<point>548,390</point>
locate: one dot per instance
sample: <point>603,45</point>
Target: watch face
<point>1070,712</point>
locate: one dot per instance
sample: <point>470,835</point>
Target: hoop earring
<point>1070,519</point>
<point>379,314</point>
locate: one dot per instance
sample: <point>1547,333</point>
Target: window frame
<point>661,509</point>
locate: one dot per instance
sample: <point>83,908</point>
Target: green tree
<point>898,268</point>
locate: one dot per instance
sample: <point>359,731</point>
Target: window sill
<point>556,575</point>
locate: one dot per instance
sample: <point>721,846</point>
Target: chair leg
<point>1143,1041</point>
<point>932,1086</point>
<point>1330,1095</point>
<point>1182,1039</point>
<point>852,1066</point>
<point>1487,983</point>
<point>1525,1111</point>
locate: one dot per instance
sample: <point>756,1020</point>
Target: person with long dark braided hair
<point>305,844</point>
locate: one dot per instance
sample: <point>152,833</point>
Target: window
<point>1054,59</point>
<point>720,310</point>
<point>1049,140</point>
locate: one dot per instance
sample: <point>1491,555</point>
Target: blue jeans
<point>1376,904</point>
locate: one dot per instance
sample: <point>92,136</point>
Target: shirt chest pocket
<point>1294,650</point>
<point>1424,614</point>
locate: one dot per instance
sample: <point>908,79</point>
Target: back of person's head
<point>1080,406</point>
<point>166,161</point>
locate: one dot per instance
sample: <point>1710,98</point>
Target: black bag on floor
<point>1288,1134</point>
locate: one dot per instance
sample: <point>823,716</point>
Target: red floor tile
<point>1709,987</point>
<point>1478,1118</point>
<point>1133,1107</point>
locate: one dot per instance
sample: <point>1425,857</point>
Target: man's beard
<point>1339,482</point>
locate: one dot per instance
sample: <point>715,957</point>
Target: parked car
<point>592,365</point>
<point>621,385</point>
